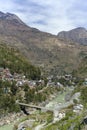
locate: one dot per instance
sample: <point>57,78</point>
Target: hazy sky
<point>49,15</point>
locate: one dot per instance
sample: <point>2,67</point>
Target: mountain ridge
<point>78,35</point>
<point>41,49</point>
<point>10,16</point>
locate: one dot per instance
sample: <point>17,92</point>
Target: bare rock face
<point>78,35</point>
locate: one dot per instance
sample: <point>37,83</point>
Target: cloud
<point>50,15</point>
<point>77,14</point>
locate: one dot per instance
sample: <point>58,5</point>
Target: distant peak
<point>78,35</point>
<point>75,29</point>
<point>79,29</point>
<point>9,16</point>
<point>1,14</point>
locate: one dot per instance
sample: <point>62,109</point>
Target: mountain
<point>10,17</point>
<point>42,49</point>
<point>78,35</point>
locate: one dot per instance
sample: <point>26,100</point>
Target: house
<point>85,82</point>
<point>32,83</point>
<point>59,85</point>
<point>40,82</point>
<point>68,76</point>
<point>50,84</point>
<point>19,83</point>
<point>77,108</point>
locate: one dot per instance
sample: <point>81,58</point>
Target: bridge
<point>54,110</point>
<point>36,107</point>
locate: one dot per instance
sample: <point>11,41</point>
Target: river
<point>59,99</point>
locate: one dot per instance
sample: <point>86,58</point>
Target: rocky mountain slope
<point>78,35</point>
<point>81,72</point>
<point>42,49</point>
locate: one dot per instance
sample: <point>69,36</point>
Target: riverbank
<point>7,122</point>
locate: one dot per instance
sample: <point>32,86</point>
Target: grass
<point>7,127</point>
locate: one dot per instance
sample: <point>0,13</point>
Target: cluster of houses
<point>5,74</point>
<point>20,79</point>
<point>66,77</point>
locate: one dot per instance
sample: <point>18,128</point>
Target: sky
<point>50,16</point>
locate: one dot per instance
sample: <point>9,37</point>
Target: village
<point>51,81</point>
<point>5,75</point>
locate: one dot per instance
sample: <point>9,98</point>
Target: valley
<point>45,72</point>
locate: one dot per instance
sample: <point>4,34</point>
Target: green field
<point>7,127</point>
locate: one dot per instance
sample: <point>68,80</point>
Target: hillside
<point>81,72</point>
<point>41,49</point>
<point>17,63</point>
